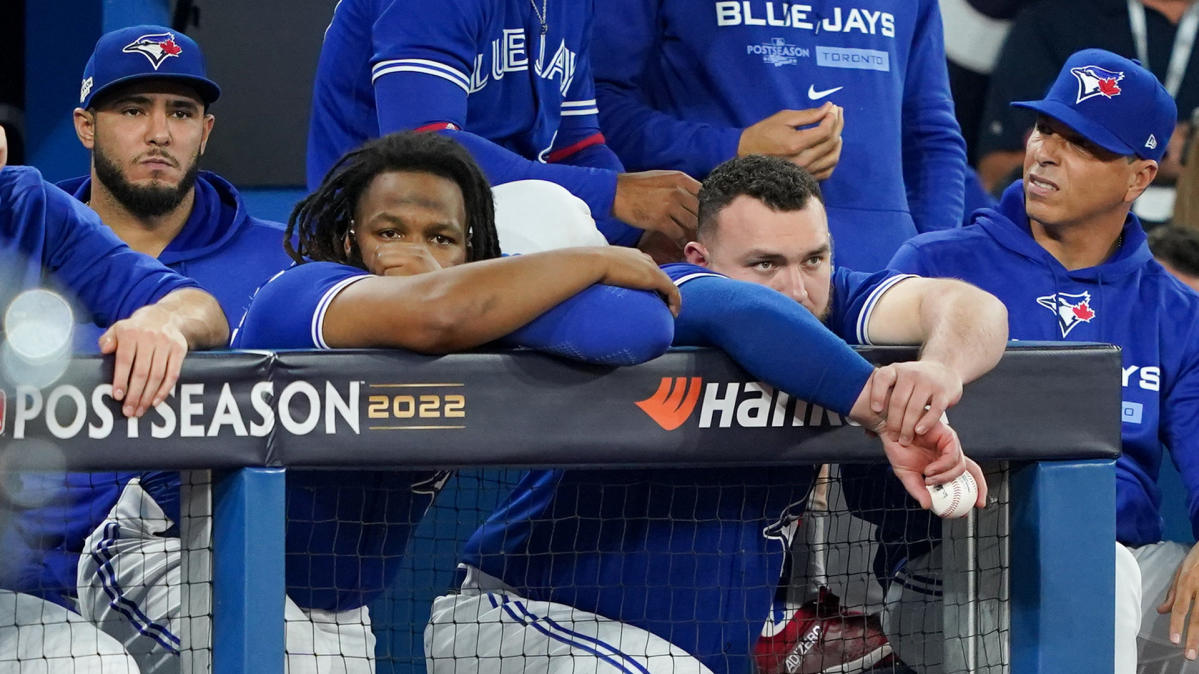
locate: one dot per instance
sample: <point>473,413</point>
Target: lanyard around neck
<point>1184,41</point>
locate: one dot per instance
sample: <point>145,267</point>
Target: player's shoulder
<point>315,274</point>
<point>681,272</point>
<point>265,236</point>
<point>957,244</point>
<point>964,236</point>
<point>1177,303</point>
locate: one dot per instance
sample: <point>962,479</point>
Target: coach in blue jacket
<point>1070,261</point>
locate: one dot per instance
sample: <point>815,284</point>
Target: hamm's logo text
<point>744,404</point>
<point>299,408</point>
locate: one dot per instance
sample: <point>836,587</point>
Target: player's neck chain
<point>540,15</point>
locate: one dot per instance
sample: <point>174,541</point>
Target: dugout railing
<point>1050,412</point>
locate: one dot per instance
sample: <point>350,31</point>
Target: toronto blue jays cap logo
<point>169,55</point>
<point>1071,309</point>
<point>1095,81</point>
<point>157,48</point>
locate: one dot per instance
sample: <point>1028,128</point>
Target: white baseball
<point>954,498</point>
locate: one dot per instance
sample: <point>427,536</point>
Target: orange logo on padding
<point>673,402</point>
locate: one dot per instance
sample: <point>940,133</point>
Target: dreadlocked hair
<point>320,223</point>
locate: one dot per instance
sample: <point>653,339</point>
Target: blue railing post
<point>1063,534</point>
<point>248,587</point>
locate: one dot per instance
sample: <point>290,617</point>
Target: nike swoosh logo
<point>817,95</point>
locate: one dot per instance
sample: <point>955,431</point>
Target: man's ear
<point>85,127</point>
<point>209,120</point>
<point>1145,170</point>
<point>695,253</point>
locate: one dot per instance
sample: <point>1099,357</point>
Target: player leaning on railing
<point>154,316</point>
<point>397,248</point>
<point>675,570</point>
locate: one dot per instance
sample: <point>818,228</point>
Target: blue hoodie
<point>1128,300</point>
<point>677,82</point>
<point>230,254</point>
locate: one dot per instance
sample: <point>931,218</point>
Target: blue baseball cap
<point>144,52</point>
<point>1113,102</point>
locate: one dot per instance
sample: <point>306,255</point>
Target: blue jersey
<point>347,530</point>
<point>50,239</point>
<point>1129,301</point>
<point>678,81</point>
<point>337,556</point>
<point>520,98</point>
<point>692,555</point>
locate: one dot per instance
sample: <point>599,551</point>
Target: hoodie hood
<point>217,217</point>
<point>1007,223</point>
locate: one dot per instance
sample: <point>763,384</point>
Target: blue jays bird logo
<point>1071,309</point>
<point>1095,81</point>
<point>157,48</point>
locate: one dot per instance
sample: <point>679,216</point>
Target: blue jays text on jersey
<point>677,82</point>
<point>1128,300</point>
<point>510,54</point>
<point>800,16</point>
<point>522,100</point>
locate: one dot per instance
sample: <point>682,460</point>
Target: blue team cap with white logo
<point>1113,102</point>
<point>144,52</point>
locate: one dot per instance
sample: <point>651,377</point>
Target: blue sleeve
<point>855,294</point>
<point>934,152</point>
<point>288,312</point>
<point>579,141</point>
<point>1180,425</point>
<point>409,64</point>
<point>602,324</point>
<point>643,137</point>
<point>774,338</point>
<point>109,278</point>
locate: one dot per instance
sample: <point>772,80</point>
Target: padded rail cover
<point>516,408</point>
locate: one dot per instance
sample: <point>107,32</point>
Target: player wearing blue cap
<point>398,249</point>
<point>46,237</point>
<point>686,86</point>
<point>675,570</point>
<point>144,115</point>
<point>1070,261</point>
<point>509,79</point>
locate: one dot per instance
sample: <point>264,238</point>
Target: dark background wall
<point>263,54</point>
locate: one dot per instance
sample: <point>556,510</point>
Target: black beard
<point>142,202</point>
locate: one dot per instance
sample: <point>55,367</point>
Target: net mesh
<point>735,569</point>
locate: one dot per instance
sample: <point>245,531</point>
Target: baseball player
<point>46,237</point>
<point>1070,261</point>
<point>674,570</point>
<point>509,79</point>
<point>144,115</point>
<point>398,249</point>
<point>856,92</point>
